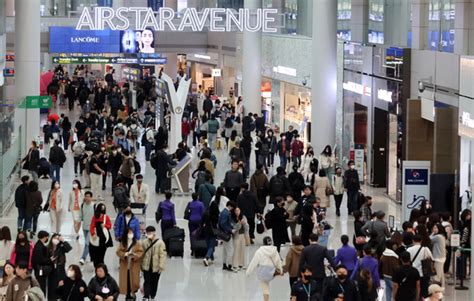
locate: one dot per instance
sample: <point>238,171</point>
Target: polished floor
<point>187,278</point>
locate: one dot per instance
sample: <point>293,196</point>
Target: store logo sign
<point>357,88</point>
<point>384,95</point>
<point>215,19</point>
<point>284,70</point>
<point>466,120</point>
<point>85,40</point>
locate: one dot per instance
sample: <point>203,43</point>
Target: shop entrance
<point>380,147</point>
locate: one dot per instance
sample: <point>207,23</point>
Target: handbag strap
<point>150,246</point>
<point>70,291</point>
<point>416,255</point>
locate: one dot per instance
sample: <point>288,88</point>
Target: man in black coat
<point>248,124</point>
<point>352,186</point>
<point>41,260</point>
<point>248,203</point>
<point>314,255</point>
<point>207,106</point>
<point>162,163</point>
<point>340,286</point>
<point>57,159</point>
<point>20,202</point>
<point>278,217</point>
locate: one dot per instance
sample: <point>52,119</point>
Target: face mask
<point>70,273</point>
<point>114,152</point>
<point>119,150</point>
<point>341,276</point>
<point>352,167</point>
<point>103,149</point>
<point>427,206</point>
<point>440,295</point>
<point>130,236</point>
<point>150,236</point>
<point>75,186</point>
<point>55,241</point>
<point>56,186</point>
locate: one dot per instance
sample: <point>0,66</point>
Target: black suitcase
<point>176,247</point>
<point>199,248</point>
<point>174,232</point>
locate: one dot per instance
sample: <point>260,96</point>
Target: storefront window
<point>296,108</point>
<point>344,14</point>
<point>441,25</point>
<point>376,21</point>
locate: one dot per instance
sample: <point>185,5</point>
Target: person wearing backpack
<point>121,198</point>
<point>279,185</point>
<point>297,183</point>
<point>127,170</point>
<point>212,129</point>
<point>148,140</point>
<point>419,253</point>
<point>153,262</point>
<point>278,217</point>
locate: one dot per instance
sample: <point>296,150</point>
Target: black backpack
<point>154,160</point>
<point>121,199</point>
<point>268,220</point>
<point>137,166</point>
<point>278,186</point>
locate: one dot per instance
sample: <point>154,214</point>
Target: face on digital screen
<point>137,41</point>
<point>147,42</point>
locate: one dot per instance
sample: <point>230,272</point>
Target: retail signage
<point>140,18</point>
<point>466,117</point>
<point>9,57</point>
<point>359,162</point>
<point>216,72</point>
<point>8,72</point>
<point>37,102</point>
<point>415,185</point>
<point>357,88</point>
<point>384,95</point>
<point>285,70</point>
<point>108,60</point>
<point>69,40</point>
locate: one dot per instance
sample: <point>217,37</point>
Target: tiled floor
<point>187,278</point>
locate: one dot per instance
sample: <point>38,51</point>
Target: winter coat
<point>206,191</point>
<point>265,256</point>
<point>130,263</point>
<point>20,195</point>
<point>32,160</point>
<point>95,287</point>
<point>70,291</point>
<point>13,255</point>
<point>248,204</point>
<point>18,286</point>
<point>279,228</point>
<point>120,225</point>
<point>157,252</point>
<point>34,199</point>
<point>259,182</point>
<point>388,263</point>
<point>320,186</point>
<point>292,261</point>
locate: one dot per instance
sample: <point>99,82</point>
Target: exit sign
<point>37,102</point>
<point>8,72</point>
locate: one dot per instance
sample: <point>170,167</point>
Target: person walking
<point>193,213</point>
<point>55,204</point>
<point>57,249</point>
<point>162,163</point>
<point>438,246</point>
<point>127,170</point>
<point>212,129</point>
<point>168,219</point>
<point>279,185</point>
<point>20,202</point>
<point>240,238</point>
<point>352,187</point>
<point>323,188</point>
<point>100,238</point>
<point>305,168</point>
<point>72,287</point>
<point>206,191</point>
<point>126,220</point>
<point>291,208</point>
<point>33,208</point>
<point>96,173</point>
<point>389,262</point>
<point>259,186</point>
<point>278,217</point>
<point>129,252</point>
<point>148,140</point>
<point>57,158</point>
<point>78,149</point>
<point>248,203</point>
<point>346,255</point>
<point>209,223</point>
<point>266,261</point>
<point>86,214</point>
<point>31,161</point>
<point>435,292</point>
<point>283,148</point>
<point>153,262</point>
<point>292,260</point>
<point>225,225</point>
<point>41,261</point>
<point>297,150</point>
<point>74,206</point>
<point>232,181</point>
<point>103,286</point>
<point>140,192</point>
<point>338,189</point>
<point>367,273</point>
<point>406,280</point>
<point>313,256</point>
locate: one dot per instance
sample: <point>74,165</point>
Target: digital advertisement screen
<point>70,40</point>
<point>137,41</point>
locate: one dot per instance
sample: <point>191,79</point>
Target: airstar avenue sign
<point>215,19</point>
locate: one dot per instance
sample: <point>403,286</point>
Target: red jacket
<point>185,128</point>
<point>107,224</point>
<point>297,148</point>
<point>13,256</point>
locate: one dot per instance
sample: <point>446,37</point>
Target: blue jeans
<point>32,221</point>
<point>148,149</point>
<point>388,289</point>
<point>283,162</point>
<point>54,172</point>
<point>86,244</point>
<point>211,246</point>
<point>21,219</point>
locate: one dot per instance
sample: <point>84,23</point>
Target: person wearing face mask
<point>73,287</point>
<point>57,249</point>
<point>22,250</point>
<point>54,205</point>
<point>140,192</point>
<point>283,147</point>
<point>41,261</point>
<point>114,163</point>
<point>130,253</point>
<point>340,287</point>
<point>103,286</point>
<point>100,238</point>
<point>96,173</point>
<point>74,206</point>
<point>338,189</point>
<point>435,293</point>
<point>86,214</point>
<point>126,220</point>
<point>304,289</point>
<point>153,262</point>
<point>352,187</point>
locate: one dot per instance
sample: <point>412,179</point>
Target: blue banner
<point>70,40</point>
<point>416,177</point>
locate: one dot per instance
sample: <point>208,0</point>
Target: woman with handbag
<point>57,250</point>
<point>54,205</point>
<point>359,237</point>
<point>323,188</point>
<point>75,199</point>
<point>100,238</point>
<point>130,253</point>
<point>103,286</point>
<point>73,287</point>
<point>267,263</point>
<point>241,238</point>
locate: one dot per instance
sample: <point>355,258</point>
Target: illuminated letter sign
<point>219,19</point>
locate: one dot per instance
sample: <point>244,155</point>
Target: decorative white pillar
<point>324,74</point>
<point>27,64</point>
<point>360,20</point>
<point>252,65</point>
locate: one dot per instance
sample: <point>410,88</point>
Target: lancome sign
<point>213,19</point>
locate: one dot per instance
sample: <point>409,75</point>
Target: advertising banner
<point>415,185</point>
<point>70,40</point>
<point>359,161</point>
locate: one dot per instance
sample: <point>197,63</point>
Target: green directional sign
<point>37,102</point>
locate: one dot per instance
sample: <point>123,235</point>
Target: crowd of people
<point>285,198</point>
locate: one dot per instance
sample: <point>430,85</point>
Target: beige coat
<point>140,197</point>
<point>135,264</point>
<point>320,185</point>
<point>158,251</point>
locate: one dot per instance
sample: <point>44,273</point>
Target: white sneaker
<point>235,270</point>
<point>81,262</point>
<point>206,263</point>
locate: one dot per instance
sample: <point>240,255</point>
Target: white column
<point>27,63</point>
<point>171,67</point>
<point>420,10</point>
<point>252,65</point>
<point>324,73</point>
<point>304,18</point>
<point>359,20</point>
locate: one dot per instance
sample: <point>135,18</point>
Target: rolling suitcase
<point>176,247</point>
<point>199,248</point>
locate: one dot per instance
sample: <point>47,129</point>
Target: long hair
<point>366,276</point>
<point>124,238</point>
<point>219,192</point>
<point>327,151</point>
